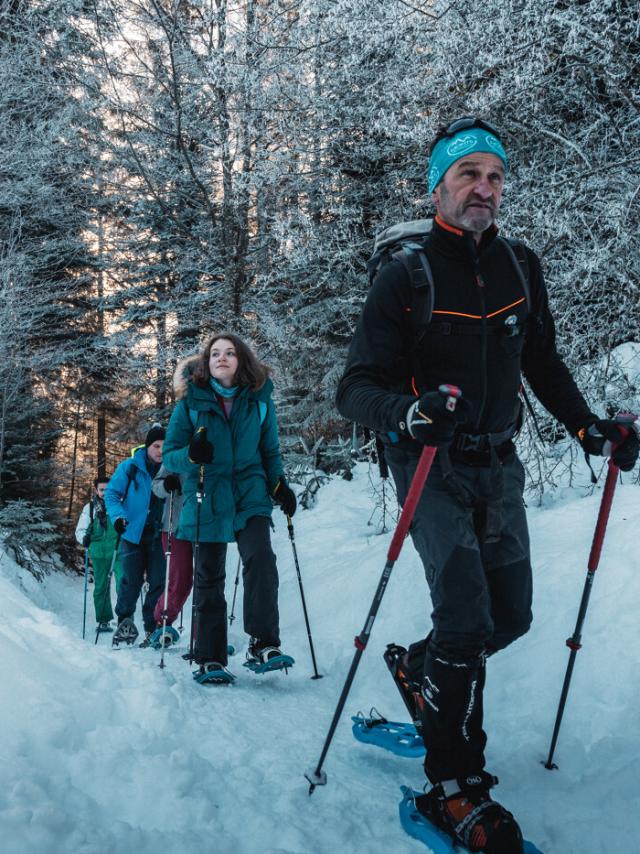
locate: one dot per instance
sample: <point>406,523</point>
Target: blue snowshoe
<point>400,738</point>
<point>263,659</point>
<point>164,637</point>
<point>213,673</point>
<point>504,838</point>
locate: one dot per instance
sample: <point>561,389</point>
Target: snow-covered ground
<point>103,751</point>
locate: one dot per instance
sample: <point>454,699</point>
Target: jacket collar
<point>202,398</point>
<point>455,240</point>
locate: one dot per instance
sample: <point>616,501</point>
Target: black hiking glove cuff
<point>120,525</point>
<point>285,497</point>
<point>172,483</point>
<point>606,437</point>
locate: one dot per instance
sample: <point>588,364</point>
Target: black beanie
<point>157,432</point>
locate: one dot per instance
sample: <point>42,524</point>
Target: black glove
<point>285,497</point>
<point>172,483</point>
<point>598,437</point>
<point>200,448</point>
<point>120,525</point>
<point>432,422</point>
<point>86,541</point>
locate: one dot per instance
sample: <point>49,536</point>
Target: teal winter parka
<point>246,460</point>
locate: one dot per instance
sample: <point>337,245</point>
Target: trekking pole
<point>196,556</point>
<point>167,572</point>
<point>235,592</point>
<point>107,589</point>
<point>594,558</point>
<point>316,675</point>
<point>316,776</point>
<point>86,582</point>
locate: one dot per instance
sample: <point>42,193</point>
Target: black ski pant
<point>138,560</point>
<point>260,603</point>
<point>481,598</point>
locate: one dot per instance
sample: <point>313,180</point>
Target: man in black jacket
<point>490,322</point>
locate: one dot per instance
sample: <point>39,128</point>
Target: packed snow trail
<point>103,751</point>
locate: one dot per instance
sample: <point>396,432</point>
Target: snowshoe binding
<point>102,628</point>
<point>125,633</point>
<point>396,659</point>
<point>464,813</point>
<point>262,658</point>
<point>230,651</point>
<point>146,643</point>
<point>400,738</point>
<point>213,673</point>
<point>164,637</point>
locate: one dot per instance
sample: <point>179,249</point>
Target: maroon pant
<point>180,579</point>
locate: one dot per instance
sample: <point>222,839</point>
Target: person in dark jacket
<point>470,528</point>
<point>136,514</point>
<point>96,532</point>
<point>224,427</point>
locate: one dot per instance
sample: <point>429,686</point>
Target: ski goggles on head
<point>468,122</point>
<point>465,136</point>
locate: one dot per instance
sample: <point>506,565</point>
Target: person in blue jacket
<point>224,425</point>
<point>136,514</point>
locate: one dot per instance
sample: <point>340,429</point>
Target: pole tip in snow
<point>315,778</point>
<point>550,766</point>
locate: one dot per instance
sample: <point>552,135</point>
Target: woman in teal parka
<point>225,422</point>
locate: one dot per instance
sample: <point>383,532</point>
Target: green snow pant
<point>102,596</point>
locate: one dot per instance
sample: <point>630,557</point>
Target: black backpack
<point>406,242</point>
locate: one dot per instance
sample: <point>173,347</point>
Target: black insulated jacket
<point>482,336</point>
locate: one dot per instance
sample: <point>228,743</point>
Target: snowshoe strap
<point>263,654</point>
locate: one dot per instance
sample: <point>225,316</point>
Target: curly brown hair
<point>250,371</point>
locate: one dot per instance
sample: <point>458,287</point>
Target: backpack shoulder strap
<point>131,477</point>
<point>414,259</point>
<point>518,255</point>
<point>192,414</point>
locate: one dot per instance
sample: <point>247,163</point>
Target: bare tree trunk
<point>74,462</point>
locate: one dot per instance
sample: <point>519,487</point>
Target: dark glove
<point>200,448</point>
<point>285,498</point>
<point>432,421</point>
<point>86,541</point>
<point>172,483</point>
<point>120,525</point>
<point>598,437</point>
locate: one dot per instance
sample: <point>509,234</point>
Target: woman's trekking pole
<point>107,586</point>
<point>167,571</point>
<point>196,559</point>
<point>86,582</point>
<point>594,558</point>
<point>235,592</point>
<point>316,776</point>
<point>316,675</point>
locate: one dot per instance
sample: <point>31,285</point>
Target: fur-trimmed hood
<point>183,374</point>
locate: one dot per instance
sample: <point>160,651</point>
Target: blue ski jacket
<point>128,496</point>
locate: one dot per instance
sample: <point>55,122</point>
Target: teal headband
<point>452,148</point>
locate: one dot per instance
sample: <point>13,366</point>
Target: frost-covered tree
<point>45,263</point>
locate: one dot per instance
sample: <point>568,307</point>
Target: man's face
<point>100,488</point>
<point>469,195</point>
<point>155,451</point>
